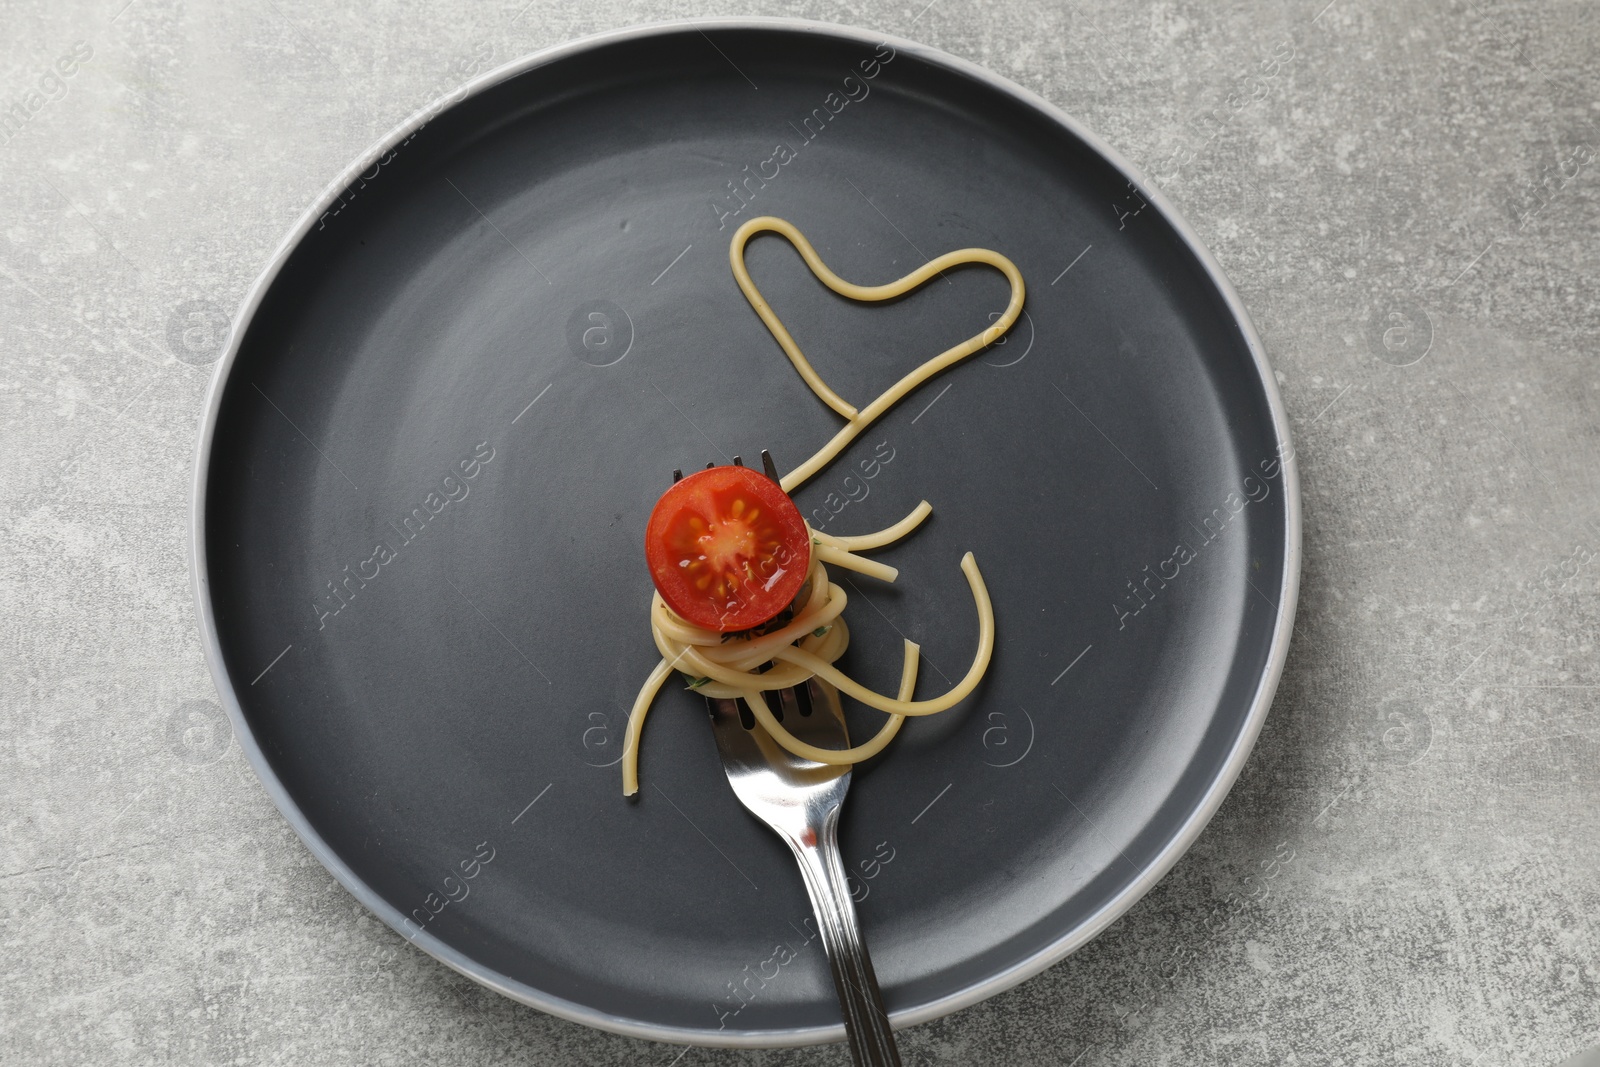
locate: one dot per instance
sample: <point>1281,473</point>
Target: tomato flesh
<point>727,548</point>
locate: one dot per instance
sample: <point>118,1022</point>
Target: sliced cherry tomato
<point>727,548</point>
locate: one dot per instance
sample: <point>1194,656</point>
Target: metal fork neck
<point>866,1023</point>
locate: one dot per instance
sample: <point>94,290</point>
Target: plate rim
<point>1041,959</point>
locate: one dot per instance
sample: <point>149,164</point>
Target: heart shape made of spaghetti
<point>860,419</point>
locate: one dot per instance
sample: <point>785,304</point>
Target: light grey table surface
<point>1408,207</point>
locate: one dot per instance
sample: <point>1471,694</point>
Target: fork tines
<point>768,467</point>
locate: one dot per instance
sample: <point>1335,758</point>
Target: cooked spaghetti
<point>816,635</point>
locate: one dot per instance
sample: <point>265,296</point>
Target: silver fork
<point>800,801</point>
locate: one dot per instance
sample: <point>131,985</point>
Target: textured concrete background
<point>1408,206</point>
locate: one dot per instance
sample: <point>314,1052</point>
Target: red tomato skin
<point>759,568</point>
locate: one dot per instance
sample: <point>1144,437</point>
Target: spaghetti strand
<point>792,744</point>
<point>860,420</point>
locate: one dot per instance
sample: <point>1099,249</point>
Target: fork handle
<point>866,1024</point>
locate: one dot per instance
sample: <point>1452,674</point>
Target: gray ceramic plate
<point>456,393</point>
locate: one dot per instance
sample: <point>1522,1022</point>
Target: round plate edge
<point>572,1011</point>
